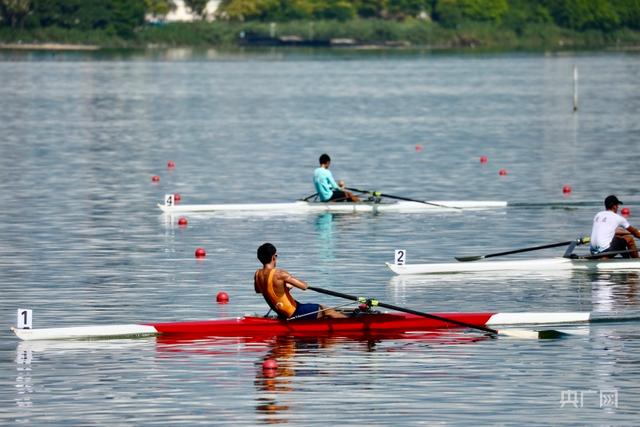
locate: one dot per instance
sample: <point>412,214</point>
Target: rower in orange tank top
<point>274,285</point>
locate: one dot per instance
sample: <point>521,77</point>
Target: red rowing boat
<point>365,323</point>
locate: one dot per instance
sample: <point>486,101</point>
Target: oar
<point>519,333</point>
<point>406,310</point>
<point>517,251</point>
<point>390,196</point>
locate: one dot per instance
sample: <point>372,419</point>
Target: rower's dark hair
<point>324,159</point>
<point>266,251</point>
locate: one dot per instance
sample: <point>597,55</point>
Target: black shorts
<point>619,244</point>
<point>338,196</point>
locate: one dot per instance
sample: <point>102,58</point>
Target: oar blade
<point>469,258</point>
<point>546,334</point>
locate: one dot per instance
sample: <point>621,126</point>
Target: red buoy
<point>171,164</point>
<point>502,172</point>
<point>182,221</point>
<point>566,189</point>
<point>201,253</point>
<point>177,197</point>
<point>418,148</point>
<point>484,160</point>
<point>222,297</point>
<point>155,178</point>
<point>270,364</point>
<point>625,212</point>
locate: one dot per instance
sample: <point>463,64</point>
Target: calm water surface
<point>84,243</point>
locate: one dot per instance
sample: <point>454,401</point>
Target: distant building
<point>182,13</point>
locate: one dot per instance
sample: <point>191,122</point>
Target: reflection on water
<point>542,291</point>
<point>615,291</point>
<point>324,225</point>
<point>362,372</point>
<point>24,383</point>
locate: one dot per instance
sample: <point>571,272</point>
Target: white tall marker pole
<point>575,88</point>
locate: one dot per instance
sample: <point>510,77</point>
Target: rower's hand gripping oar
<point>390,196</point>
<point>580,241</point>
<point>516,333</point>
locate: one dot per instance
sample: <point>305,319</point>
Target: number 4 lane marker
<point>24,318</point>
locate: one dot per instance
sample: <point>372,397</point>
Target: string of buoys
<point>270,365</point>
<point>170,165</point>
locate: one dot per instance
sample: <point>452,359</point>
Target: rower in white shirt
<point>612,232</point>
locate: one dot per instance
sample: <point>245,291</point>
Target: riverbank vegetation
<point>508,24</point>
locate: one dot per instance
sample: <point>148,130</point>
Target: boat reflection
<point>297,358</point>
<point>312,356</point>
<point>324,225</point>
<point>368,342</point>
<point>615,291</point>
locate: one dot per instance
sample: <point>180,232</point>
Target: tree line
<point>123,17</point>
<point>572,14</point>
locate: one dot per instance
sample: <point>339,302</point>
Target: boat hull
<point>343,207</point>
<point>546,264</point>
<point>259,326</point>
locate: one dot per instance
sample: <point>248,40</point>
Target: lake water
<point>82,241</point>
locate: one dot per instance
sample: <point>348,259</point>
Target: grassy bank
<point>362,32</point>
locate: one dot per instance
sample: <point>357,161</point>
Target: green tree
<point>629,12</point>
<point>453,12</point>
<point>404,8</point>
<point>524,12</point>
<point>285,10</point>
<point>371,8</point>
<point>584,14</point>
<point>291,10</point>
<point>242,10</point>
<point>127,16</point>
<point>159,7</point>
<point>339,10</point>
<point>267,10</point>
<point>14,12</point>
<point>197,6</point>
<point>118,16</point>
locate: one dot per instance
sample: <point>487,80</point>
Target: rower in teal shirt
<point>326,187</point>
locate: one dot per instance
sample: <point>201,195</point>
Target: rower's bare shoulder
<point>282,274</point>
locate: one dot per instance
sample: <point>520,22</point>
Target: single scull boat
<point>543,264</point>
<point>302,207</point>
<point>365,323</point>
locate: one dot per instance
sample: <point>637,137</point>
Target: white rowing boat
<point>302,207</point>
<point>543,264</point>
